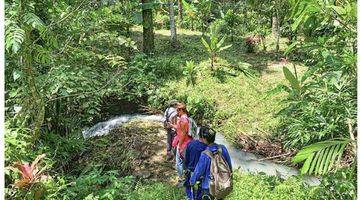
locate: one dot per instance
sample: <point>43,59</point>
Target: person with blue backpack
<point>192,155</point>
<point>213,170</point>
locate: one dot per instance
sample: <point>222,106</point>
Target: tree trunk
<point>180,13</point>
<point>212,62</point>
<point>38,113</point>
<point>277,30</point>
<point>148,31</point>
<point>173,39</point>
<point>274,25</point>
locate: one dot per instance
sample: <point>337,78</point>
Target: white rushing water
<point>247,162</point>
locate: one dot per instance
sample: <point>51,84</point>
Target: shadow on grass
<point>191,48</point>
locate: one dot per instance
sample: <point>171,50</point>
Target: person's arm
<point>199,169</point>
<point>183,131</point>
<point>173,121</point>
<point>227,156</point>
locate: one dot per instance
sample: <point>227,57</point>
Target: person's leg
<point>198,194</point>
<point>169,140</point>
<point>179,163</point>
<point>189,193</point>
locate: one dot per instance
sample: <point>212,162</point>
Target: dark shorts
<point>170,136</point>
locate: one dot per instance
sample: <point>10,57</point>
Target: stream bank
<point>245,161</point>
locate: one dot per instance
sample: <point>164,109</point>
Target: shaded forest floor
<point>142,144</point>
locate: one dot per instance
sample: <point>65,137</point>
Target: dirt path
<point>154,166</point>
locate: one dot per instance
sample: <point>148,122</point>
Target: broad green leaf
<point>292,79</point>
<point>290,48</point>
<point>311,71</point>
<point>323,160</point>
<point>340,153</point>
<point>340,10</point>
<point>186,5</point>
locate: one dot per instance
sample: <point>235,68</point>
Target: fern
<point>14,36</point>
<point>34,21</point>
<point>321,157</point>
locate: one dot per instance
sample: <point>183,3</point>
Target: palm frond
<point>321,157</point>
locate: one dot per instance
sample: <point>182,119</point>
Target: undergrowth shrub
<point>144,75</point>
<point>338,185</point>
<point>260,186</point>
<point>158,191</point>
<point>98,184</point>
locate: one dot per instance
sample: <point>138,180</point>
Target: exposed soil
<point>272,150</point>
<point>137,148</point>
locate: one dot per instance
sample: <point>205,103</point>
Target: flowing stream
<point>247,162</point>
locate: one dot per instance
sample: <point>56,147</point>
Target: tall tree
<point>172,24</point>
<point>148,30</point>
<point>180,12</point>
<point>277,28</point>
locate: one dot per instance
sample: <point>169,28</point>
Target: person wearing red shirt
<point>182,129</point>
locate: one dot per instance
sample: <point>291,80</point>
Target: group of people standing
<point>194,155</point>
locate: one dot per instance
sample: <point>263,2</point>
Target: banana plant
<point>214,45</point>
<point>190,12</point>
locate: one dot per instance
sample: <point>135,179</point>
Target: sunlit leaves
<point>190,72</point>
<point>14,36</point>
<point>213,45</point>
<point>294,82</point>
<point>34,21</point>
<point>321,157</point>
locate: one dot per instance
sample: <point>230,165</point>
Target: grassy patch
<point>158,191</point>
<point>248,186</point>
<point>238,89</point>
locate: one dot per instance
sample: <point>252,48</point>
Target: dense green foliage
<point>289,78</point>
<point>326,102</point>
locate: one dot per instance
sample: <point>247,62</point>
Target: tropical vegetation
<point>276,77</point>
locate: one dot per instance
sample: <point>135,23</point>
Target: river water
<point>245,161</point>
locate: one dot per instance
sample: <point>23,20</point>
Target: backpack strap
<point>219,150</point>
<point>211,154</point>
<point>166,114</point>
<point>208,153</point>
